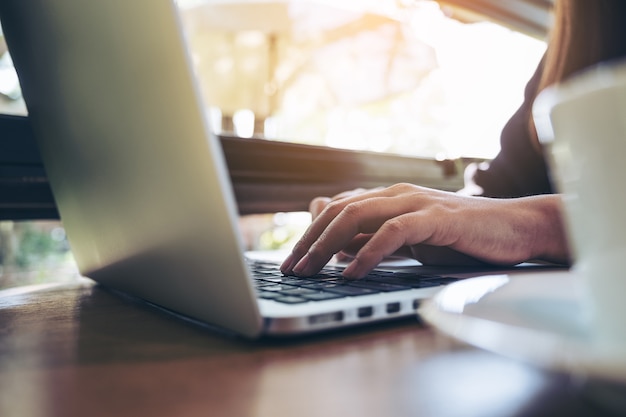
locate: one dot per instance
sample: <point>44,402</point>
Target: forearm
<point>544,227</point>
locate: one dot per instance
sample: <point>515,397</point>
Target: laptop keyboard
<point>271,284</point>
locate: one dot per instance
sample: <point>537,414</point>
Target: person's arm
<point>435,227</point>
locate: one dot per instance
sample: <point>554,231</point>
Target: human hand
<point>435,227</point>
<point>318,204</point>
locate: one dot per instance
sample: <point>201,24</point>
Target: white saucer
<point>535,317</point>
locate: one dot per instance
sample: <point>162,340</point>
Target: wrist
<point>550,241</point>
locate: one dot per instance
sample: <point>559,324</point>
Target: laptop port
<point>363,312</point>
<point>326,318</point>
<point>393,307</point>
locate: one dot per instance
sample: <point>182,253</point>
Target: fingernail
<point>352,270</point>
<point>286,266</point>
<point>301,266</point>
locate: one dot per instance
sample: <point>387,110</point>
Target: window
<point>378,91</point>
<point>386,76</point>
<point>34,252</point>
<point>10,96</point>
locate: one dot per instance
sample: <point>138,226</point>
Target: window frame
<point>272,176</point>
<point>267,176</point>
<point>532,17</point>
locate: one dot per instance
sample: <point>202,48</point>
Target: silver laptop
<point>141,183</point>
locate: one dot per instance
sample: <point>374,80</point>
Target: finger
<point>356,244</point>
<point>343,257</point>
<point>395,233</point>
<point>311,234</point>
<point>319,224</point>
<point>317,205</point>
<point>351,249</point>
<point>329,214</point>
<point>358,217</point>
<point>350,193</point>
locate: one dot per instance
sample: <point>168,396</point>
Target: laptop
<point>141,183</point>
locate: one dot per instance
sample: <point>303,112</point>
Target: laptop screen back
<point>140,182</point>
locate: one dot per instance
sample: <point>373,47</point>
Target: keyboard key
<point>321,296</point>
<point>412,283</point>
<point>260,283</point>
<point>278,288</point>
<point>289,299</point>
<point>350,290</point>
<point>298,291</point>
<point>296,281</point>
<point>323,277</point>
<point>268,295</point>
<point>319,285</point>
<point>276,278</point>
<point>443,280</point>
<point>379,286</point>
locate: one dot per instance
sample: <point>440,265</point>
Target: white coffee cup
<point>582,124</point>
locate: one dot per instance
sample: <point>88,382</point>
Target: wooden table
<point>79,350</point>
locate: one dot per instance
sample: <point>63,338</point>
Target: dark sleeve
<point>519,169</point>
